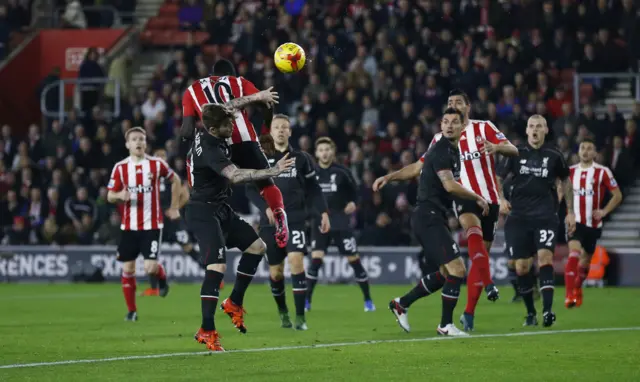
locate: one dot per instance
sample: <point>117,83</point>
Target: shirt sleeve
<point>609,180</point>
<point>115,181</point>
<point>165,171</point>
<point>422,157</point>
<point>215,159</point>
<point>248,88</point>
<point>562,168</point>
<point>188,105</point>
<point>505,167</point>
<point>492,133</point>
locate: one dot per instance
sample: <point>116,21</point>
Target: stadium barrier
<point>385,265</point>
<point>61,87</point>
<point>585,84</point>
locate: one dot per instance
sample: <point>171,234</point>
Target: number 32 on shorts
<point>547,236</point>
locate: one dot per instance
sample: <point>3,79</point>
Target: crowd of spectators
<point>376,80</point>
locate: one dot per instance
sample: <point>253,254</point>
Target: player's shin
<point>474,289</point>
<point>583,271</point>
<point>429,284</point>
<point>299,281</point>
<point>546,286</point>
<point>361,276</point>
<point>247,268</point>
<point>450,294</point>
<point>209,293</point>
<point>479,255</point>
<point>277,288</point>
<point>571,271</point>
<point>312,276</point>
<point>525,284</point>
<point>513,279</point>
<point>128,281</point>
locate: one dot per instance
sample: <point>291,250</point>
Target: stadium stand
<point>376,80</point>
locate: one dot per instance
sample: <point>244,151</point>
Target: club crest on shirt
<point>478,138</point>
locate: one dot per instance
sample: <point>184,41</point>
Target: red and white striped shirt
<point>588,191</point>
<point>219,90</point>
<point>142,179</point>
<point>477,171</point>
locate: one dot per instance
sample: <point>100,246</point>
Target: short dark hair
<point>281,116</point>
<point>224,67</point>
<point>589,140</point>
<point>451,110</point>
<point>461,93</point>
<point>213,116</point>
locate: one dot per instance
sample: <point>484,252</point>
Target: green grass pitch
<point>58,323</point>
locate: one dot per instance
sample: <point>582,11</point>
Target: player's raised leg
<point>242,236</point>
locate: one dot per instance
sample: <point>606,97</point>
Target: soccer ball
<point>289,58</point>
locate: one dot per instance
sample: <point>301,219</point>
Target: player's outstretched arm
<point>406,173</point>
<point>451,186</point>
<point>267,97</point>
<point>242,175</point>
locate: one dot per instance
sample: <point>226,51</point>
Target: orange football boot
<point>150,292</point>
<point>211,338</point>
<point>236,313</point>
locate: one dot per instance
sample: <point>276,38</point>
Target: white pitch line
<point>316,346</point>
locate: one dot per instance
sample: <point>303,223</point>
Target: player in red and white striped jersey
<point>135,182</point>
<point>479,142</point>
<point>237,92</point>
<point>590,183</point>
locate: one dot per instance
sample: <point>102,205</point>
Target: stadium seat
<point>169,10</point>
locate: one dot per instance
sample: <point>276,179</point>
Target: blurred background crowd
<point>376,80</point>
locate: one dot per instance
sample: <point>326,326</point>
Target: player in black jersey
<point>216,225</point>
<point>438,169</point>
<point>532,224</point>
<point>174,231</point>
<point>340,190</point>
<point>301,193</point>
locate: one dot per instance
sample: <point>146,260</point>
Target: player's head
<point>281,129</point>
<point>136,141</point>
<point>460,101</point>
<point>325,150</point>
<point>587,151</point>
<point>217,120</point>
<point>537,130</point>
<point>451,124</point>
<point>224,67</point>
<point>161,153</point>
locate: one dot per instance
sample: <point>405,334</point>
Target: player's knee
<point>129,266</point>
<point>511,264</point>
<point>585,259</point>
<point>188,247</point>
<point>258,247</point>
<point>296,262</point>
<point>317,254</point>
<point>545,257</point>
<point>468,220</point>
<point>217,267</point>
<point>456,268</point>
<point>574,245</point>
<point>523,266</point>
<point>352,258</point>
<point>276,272</point>
<point>150,267</point>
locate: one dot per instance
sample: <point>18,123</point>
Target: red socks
<point>571,272</point>
<point>479,255</point>
<point>128,281</point>
<point>273,197</point>
<point>480,271</point>
<point>161,275</point>
<point>474,289</point>
<point>581,276</point>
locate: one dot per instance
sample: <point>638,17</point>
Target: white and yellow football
<point>289,58</point>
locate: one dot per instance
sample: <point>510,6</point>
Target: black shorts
<point>587,236</point>
<point>217,227</point>
<point>297,242</point>
<point>175,231</point>
<point>134,243</point>
<point>345,240</point>
<point>488,223</point>
<point>432,232</point>
<point>250,155</point>
<point>525,237</point>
